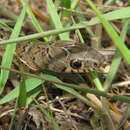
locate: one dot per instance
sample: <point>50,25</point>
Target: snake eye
<point>75,64</point>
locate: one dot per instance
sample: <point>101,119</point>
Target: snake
<point>60,56</point>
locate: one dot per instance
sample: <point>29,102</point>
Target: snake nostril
<point>95,64</point>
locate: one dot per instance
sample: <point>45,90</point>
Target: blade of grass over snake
<point>83,89</point>
<point>8,55</point>
<point>112,33</point>
<point>56,20</point>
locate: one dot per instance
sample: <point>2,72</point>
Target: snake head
<point>90,60</point>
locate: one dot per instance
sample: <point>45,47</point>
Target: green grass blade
<point>34,93</point>
<point>30,83</point>
<point>109,16</point>
<point>74,4</point>
<point>116,60</point>
<point>46,77</point>
<point>75,94</point>
<point>3,24</point>
<point>96,81</point>
<point>55,19</point>
<point>68,89</point>
<point>22,98</point>
<point>121,13</point>
<point>33,18</point>
<point>112,33</point>
<point>8,55</point>
<point>66,4</point>
<point>112,71</point>
<point>35,22</point>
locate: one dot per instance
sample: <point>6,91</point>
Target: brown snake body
<point>60,56</point>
